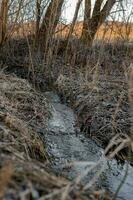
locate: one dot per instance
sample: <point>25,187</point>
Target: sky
<point>70,5</point>
<point>69,9</point>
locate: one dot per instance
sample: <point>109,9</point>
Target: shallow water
<point>65,146</point>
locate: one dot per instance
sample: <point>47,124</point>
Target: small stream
<point>77,157</point>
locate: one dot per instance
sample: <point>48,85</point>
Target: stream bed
<point>78,158</point>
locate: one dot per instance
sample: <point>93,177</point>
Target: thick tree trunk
<point>92,22</point>
<point>87,16</point>
<point>89,32</point>
<point>50,22</point>
<point>3,21</point>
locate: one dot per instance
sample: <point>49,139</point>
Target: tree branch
<point>87,13</point>
<point>106,10</point>
<point>97,8</point>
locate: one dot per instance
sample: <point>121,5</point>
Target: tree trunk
<point>50,22</point>
<point>74,19</point>
<point>88,34</point>
<point>92,22</point>
<point>3,21</point>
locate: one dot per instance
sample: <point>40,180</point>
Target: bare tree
<point>50,21</point>
<point>94,18</point>
<point>3,20</point>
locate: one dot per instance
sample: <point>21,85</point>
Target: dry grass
<point>98,90</point>
<point>23,114</point>
<point>6,173</point>
<point>94,84</point>
<point>109,30</point>
<point>24,173</point>
<point>101,105</point>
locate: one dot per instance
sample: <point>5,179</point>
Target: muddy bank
<point>65,146</point>
<point>23,121</point>
<point>100,102</point>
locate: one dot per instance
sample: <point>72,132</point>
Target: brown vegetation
<point>93,79</point>
<point>108,31</point>
<point>24,171</point>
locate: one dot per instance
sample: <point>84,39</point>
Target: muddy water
<point>73,154</point>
